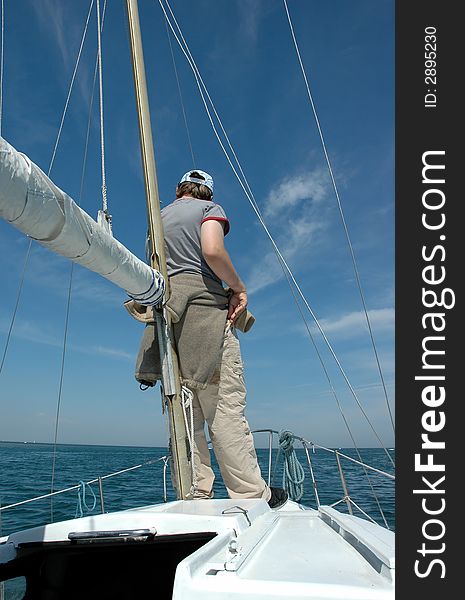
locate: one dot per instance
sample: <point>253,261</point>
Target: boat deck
<point>237,550</point>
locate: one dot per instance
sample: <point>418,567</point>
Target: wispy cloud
<point>297,213</point>
<point>354,324</point>
<point>30,332</point>
<point>291,192</point>
<point>45,270</point>
<point>114,352</point>
<point>250,12</point>
<point>50,15</point>
<point>67,30</point>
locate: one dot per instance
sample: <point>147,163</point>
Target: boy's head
<point>196,184</point>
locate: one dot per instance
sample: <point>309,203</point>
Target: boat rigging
<point>199,548</point>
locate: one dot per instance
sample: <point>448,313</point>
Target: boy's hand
<point>237,305</point>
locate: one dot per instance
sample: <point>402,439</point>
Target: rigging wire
<point>341,212</point>
<point>248,192</point>
<point>2,47</point>
<point>333,392</point>
<point>71,274</point>
<point>102,136</point>
<point>57,141</point>
<point>65,109</point>
<point>252,201</point>
<point>60,388</point>
<point>18,296</point>
<point>180,96</point>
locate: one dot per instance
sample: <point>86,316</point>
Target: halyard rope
<point>102,136</point>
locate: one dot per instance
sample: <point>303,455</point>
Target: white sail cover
<point>32,203</point>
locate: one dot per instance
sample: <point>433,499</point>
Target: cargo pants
<point>221,405</point>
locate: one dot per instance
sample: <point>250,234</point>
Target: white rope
<point>341,212</point>
<point>187,397</point>
<point>247,190</point>
<point>102,137</point>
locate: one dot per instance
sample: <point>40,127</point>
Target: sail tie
<point>293,472</point>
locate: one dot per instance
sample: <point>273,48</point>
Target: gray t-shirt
<point>182,220</point>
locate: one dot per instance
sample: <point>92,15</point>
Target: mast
<point>181,468</point>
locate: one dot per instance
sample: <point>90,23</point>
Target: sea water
<point>26,472</point>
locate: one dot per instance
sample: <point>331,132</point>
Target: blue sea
<point>26,472</point>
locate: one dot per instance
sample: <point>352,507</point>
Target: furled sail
<point>32,203</point>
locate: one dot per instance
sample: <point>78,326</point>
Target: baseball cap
<point>207,179</point>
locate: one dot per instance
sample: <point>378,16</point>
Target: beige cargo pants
<point>221,405</point>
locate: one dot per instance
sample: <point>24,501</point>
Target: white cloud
<point>50,14</point>
<point>309,187</point>
<point>354,323</point>
<point>31,332</point>
<point>296,214</point>
<point>250,16</point>
<point>67,29</point>
<point>114,352</point>
<point>46,270</point>
<point>299,235</point>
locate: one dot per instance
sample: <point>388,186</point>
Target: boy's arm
<point>217,258</point>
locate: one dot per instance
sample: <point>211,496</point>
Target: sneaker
<point>278,497</point>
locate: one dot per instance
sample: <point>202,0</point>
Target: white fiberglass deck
<point>257,553</point>
<point>292,554</point>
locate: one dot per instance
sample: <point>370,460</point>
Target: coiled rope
<point>81,500</point>
<point>293,472</point>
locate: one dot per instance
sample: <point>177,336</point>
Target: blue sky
<point>245,53</point>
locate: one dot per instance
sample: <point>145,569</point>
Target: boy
<point>208,347</point>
